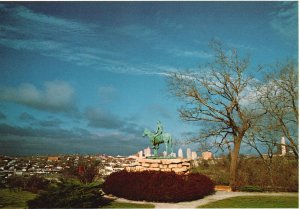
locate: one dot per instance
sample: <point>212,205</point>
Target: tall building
<point>283,146</point>
<point>207,155</point>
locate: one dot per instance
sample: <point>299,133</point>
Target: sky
<point>89,77</point>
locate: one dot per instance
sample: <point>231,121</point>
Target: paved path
<point>219,195</point>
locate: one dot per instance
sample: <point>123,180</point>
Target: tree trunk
<point>234,162</point>
<point>270,171</point>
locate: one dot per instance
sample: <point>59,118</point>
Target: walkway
<point>219,195</point>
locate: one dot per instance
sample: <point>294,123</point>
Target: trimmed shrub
<point>158,186</point>
<point>70,195</point>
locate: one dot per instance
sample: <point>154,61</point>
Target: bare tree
<point>215,97</point>
<point>262,139</point>
<point>278,96</point>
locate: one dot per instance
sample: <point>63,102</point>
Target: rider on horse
<point>158,138</point>
<point>159,130</point>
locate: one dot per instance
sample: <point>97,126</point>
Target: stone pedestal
<point>178,165</point>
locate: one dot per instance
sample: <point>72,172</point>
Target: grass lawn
<point>255,202</point>
<point>17,199</point>
<point>128,205</point>
<point>13,199</point>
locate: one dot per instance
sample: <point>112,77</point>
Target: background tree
<point>262,139</point>
<point>215,98</point>
<point>278,96</point>
<point>85,172</point>
<point>17,182</point>
<point>88,173</point>
<point>32,183</point>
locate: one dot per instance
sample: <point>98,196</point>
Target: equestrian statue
<point>158,138</point>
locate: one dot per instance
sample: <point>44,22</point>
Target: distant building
<point>207,155</point>
<point>53,159</point>
<point>283,149</point>
<point>283,146</point>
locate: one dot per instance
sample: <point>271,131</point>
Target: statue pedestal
<point>178,165</point>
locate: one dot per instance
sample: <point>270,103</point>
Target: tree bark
<point>234,163</point>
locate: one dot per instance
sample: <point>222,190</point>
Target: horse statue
<point>159,139</point>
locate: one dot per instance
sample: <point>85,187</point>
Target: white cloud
<point>57,96</point>
<point>285,20</point>
<point>58,93</point>
<point>50,36</point>
<point>190,53</point>
<point>55,37</point>
<point>27,15</point>
<point>249,97</point>
<point>24,29</point>
<point>107,93</point>
<point>137,31</point>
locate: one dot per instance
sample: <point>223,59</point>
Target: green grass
<point>255,202</point>
<point>17,199</point>
<point>14,199</point>
<point>128,205</point>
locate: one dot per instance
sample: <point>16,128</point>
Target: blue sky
<point>88,77</point>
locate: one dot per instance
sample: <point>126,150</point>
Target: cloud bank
<point>55,96</point>
<point>17,140</point>
<point>50,36</point>
<point>99,118</point>
<point>2,116</point>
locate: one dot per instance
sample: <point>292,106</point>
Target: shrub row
<point>158,186</point>
<point>249,188</point>
<point>31,184</point>
<point>282,175</point>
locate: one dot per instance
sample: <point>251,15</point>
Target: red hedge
<point>158,186</point>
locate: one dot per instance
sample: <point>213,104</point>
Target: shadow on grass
<point>127,205</point>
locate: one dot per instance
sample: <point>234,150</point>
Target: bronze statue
<point>158,138</point>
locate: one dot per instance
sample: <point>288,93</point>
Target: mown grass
<point>10,198</point>
<point>255,202</point>
<point>128,205</point>
<point>14,199</point>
